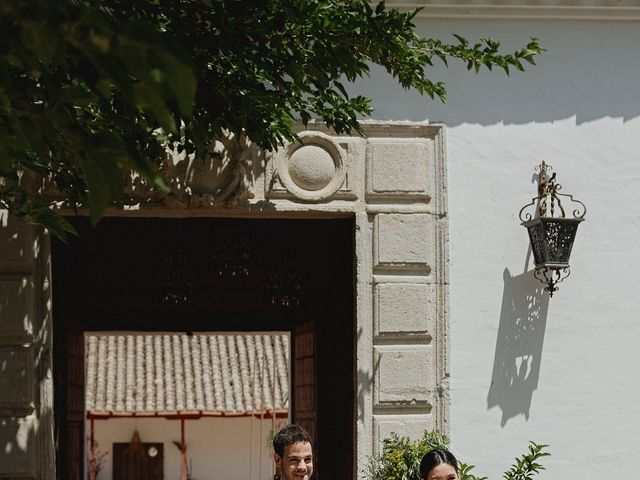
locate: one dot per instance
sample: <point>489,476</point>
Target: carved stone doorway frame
<point>392,182</point>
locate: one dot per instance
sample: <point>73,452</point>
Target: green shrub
<point>526,466</point>
<point>400,459</point>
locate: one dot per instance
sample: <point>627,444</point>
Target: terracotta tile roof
<point>168,374</point>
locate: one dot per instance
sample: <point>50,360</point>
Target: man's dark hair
<point>288,436</point>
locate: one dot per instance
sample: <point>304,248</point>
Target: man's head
<point>293,453</point>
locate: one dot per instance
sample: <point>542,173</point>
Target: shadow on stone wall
<point>26,423</point>
<point>518,353</point>
<point>365,381</point>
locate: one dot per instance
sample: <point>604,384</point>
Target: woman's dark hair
<point>435,458</point>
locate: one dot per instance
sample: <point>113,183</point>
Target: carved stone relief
<point>313,170</point>
<point>221,179</point>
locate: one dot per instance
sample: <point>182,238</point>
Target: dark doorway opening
<point>213,274</point>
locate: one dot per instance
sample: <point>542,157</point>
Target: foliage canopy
<point>92,90</point>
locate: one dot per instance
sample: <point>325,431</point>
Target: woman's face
<point>444,471</point>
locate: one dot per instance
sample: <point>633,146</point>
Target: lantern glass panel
<point>538,244</point>
<point>552,240</point>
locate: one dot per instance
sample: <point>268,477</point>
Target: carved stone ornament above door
<point>312,170</point>
<point>221,178</point>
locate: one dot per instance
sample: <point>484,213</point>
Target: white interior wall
<point>578,109</point>
<point>231,448</point>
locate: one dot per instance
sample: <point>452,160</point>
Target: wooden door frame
<point>285,321</point>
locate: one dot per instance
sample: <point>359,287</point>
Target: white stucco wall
<point>578,110</point>
<point>218,448</point>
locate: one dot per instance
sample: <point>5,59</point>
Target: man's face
<point>296,462</point>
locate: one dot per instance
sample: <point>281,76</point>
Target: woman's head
<point>439,464</point>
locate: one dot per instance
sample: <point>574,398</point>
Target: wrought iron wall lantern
<point>551,231</point>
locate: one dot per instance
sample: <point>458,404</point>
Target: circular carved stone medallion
<point>314,169</point>
<point>311,167</point>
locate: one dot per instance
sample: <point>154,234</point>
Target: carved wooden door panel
<point>304,382</point>
<point>26,390</point>
<point>70,385</point>
<point>138,461</point>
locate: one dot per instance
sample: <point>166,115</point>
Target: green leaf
<point>6,156</point>
<point>463,41</point>
<point>57,225</point>
<point>149,97</point>
<point>41,38</point>
<point>75,95</point>
<point>181,78</point>
<point>98,188</point>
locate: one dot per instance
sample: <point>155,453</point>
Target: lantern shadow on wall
<point>518,353</point>
<point>551,230</point>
